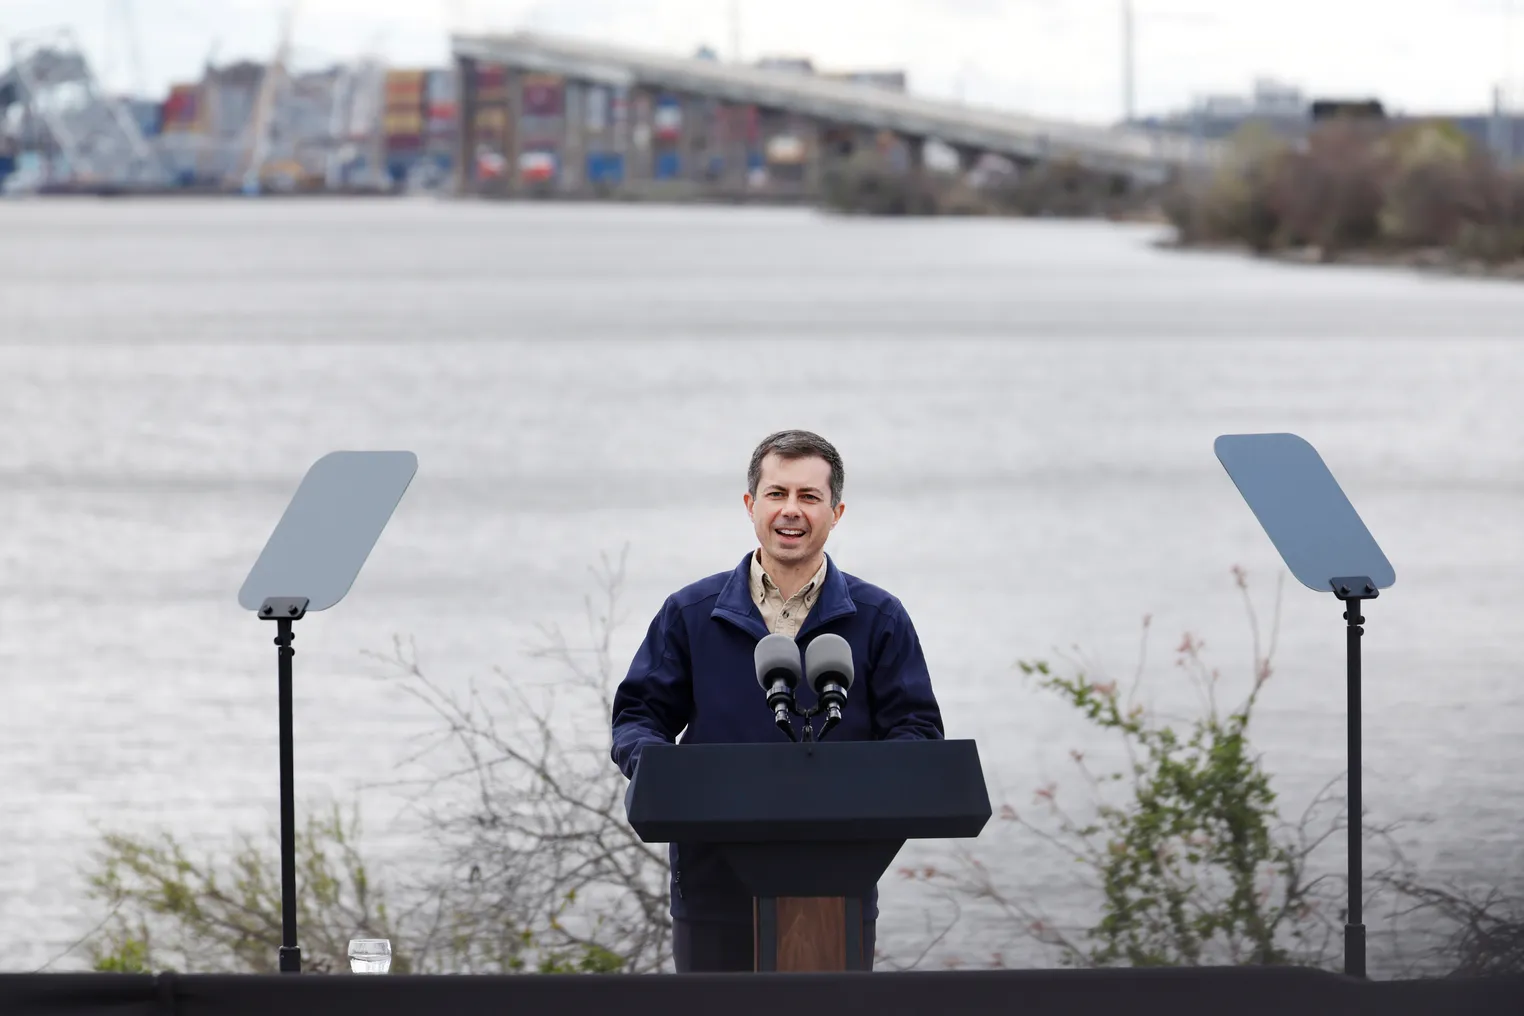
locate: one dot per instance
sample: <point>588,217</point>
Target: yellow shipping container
<point>491,119</point>
<point>405,81</point>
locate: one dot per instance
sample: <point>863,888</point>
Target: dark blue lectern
<point>809,827</point>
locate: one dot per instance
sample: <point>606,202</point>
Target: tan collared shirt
<point>782,616</point>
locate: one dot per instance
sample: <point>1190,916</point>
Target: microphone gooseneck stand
<point>808,716</point>
<point>767,906</point>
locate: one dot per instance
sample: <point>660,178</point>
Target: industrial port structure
<point>581,117</point>
<point>513,113</point>
<point>243,127</point>
<point>531,114</point>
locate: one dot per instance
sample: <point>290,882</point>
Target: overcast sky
<point>1051,57</point>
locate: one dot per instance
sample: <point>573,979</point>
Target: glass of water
<point>370,955</point>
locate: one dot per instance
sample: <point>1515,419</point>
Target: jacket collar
<point>734,602</point>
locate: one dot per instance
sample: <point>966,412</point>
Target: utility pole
<point>1130,48</point>
<point>122,34</point>
<point>1129,96</point>
<point>735,31</point>
<point>107,74</point>
<point>1507,41</point>
<point>1502,127</point>
<point>134,50</point>
<point>267,102</point>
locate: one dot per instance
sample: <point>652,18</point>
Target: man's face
<point>792,511</point>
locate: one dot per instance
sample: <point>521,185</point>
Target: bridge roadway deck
<point>1133,153</point>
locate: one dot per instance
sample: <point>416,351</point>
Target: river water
<point>1026,410</point>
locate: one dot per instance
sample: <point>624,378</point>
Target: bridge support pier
<point>463,175</point>
<point>809,132</point>
<point>513,143</point>
<point>968,159</point>
<point>491,118</point>
<point>915,160</point>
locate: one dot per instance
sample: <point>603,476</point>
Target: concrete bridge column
<point>875,143</point>
<point>576,142</point>
<point>808,130</point>
<point>639,160</point>
<point>692,142</point>
<point>513,141</point>
<point>464,171</point>
<point>915,153</point>
<point>735,147</point>
<point>968,158</point>
<point>848,143</point>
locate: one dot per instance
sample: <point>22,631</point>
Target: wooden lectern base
<point>808,933</point>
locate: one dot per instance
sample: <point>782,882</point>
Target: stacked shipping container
<point>402,122</point>
<point>542,127</point>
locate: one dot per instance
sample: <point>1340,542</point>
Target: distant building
<point>1287,111</point>
<point>892,80</point>
<point>1270,99</point>
<point>792,64</point>
<point>1359,109</point>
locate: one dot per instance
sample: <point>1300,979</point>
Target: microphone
<point>828,669</point>
<point>777,662</point>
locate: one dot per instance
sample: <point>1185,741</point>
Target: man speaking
<point>694,674</point>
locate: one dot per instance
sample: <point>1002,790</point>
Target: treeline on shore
<point>1357,187</point>
<point>1349,188</point>
<point>868,184</point>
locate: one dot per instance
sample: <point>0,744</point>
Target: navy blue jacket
<point>694,676</point>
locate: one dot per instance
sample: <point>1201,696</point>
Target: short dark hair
<point>797,444</point>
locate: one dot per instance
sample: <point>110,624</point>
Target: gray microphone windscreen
<point>777,653</point>
<point>828,655</point>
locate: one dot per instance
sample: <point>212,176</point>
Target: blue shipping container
<point>669,166</point>
<point>605,168</point>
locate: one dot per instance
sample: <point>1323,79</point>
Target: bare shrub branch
<point>541,869</point>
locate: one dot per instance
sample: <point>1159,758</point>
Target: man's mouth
<point>792,534</point>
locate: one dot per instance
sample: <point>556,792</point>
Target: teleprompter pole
<point>1326,545</point>
<point>1352,591</point>
<point>317,549</point>
<point>284,611</point>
